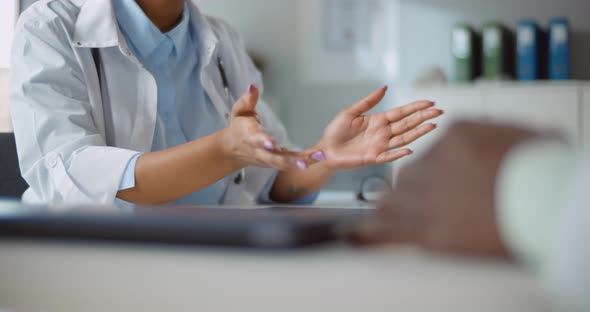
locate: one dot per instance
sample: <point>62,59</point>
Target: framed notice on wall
<point>347,41</point>
<point>346,23</point>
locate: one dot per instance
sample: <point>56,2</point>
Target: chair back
<point>11,182</point>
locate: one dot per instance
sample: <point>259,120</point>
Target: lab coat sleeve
<point>128,179</point>
<point>265,199</point>
<point>566,271</point>
<point>62,154</point>
<point>543,215</point>
<point>531,195</point>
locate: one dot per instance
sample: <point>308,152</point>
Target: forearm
<point>292,185</point>
<point>168,175</point>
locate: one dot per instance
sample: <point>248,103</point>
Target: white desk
<point>100,277</point>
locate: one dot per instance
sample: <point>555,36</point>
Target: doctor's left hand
<point>354,139</point>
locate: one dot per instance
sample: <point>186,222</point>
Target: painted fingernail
<point>301,165</point>
<point>250,88</point>
<point>384,88</point>
<point>269,145</point>
<point>318,156</point>
<point>410,152</point>
<point>435,125</point>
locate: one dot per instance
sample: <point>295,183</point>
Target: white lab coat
<point>73,141</point>
<point>566,270</point>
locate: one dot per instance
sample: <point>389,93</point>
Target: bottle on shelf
<point>466,51</point>
<point>532,60</point>
<point>559,49</point>
<point>498,52</point>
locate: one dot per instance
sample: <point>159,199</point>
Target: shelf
<point>486,86</point>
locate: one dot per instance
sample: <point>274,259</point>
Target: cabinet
<point>544,106</point>
<point>539,108</point>
<point>458,104</point>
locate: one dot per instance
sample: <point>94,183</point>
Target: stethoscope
<point>372,188</point>
<point>241,177</point>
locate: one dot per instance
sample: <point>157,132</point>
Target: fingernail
<point>301,165</point>
<point>250,88</point>
<point>435,125</point>
<point>318,156</point>
<point>410,152</point>
<point>433,103</point>
<point>269,145</point>
<point>384,88</point>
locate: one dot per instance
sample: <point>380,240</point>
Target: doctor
<point>151,102</point>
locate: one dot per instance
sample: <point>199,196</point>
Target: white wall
<point>270,30</point>
<point>7,20</point>
<point>5,125</point>
<point>426,25</point>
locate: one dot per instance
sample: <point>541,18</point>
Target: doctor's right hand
<point>245,142</point>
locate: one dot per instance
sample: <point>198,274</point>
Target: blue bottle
<point>531,59</point>
<point>559,49</point>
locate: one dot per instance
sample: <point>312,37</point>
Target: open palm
<point>355,140</point>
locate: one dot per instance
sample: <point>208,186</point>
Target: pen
<point>242,176</point>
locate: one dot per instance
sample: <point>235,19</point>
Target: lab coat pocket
<point>248,192</point>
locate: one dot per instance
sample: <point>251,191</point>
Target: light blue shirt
<point>185,112</point>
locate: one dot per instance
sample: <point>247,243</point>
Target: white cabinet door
<point>553,108</point>
<point>564,108</point>
<point>458,104</point>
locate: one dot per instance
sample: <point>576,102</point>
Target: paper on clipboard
<point>347,41</point>
<point>346,23</point>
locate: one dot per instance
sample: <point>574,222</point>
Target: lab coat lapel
<point>93,28</point>
<point>209,48</point>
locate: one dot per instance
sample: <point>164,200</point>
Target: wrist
<point>327,165</point>
<point>227,151</point>
<point>325,169</point>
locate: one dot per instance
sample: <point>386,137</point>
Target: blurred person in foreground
<point>490,190</point>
